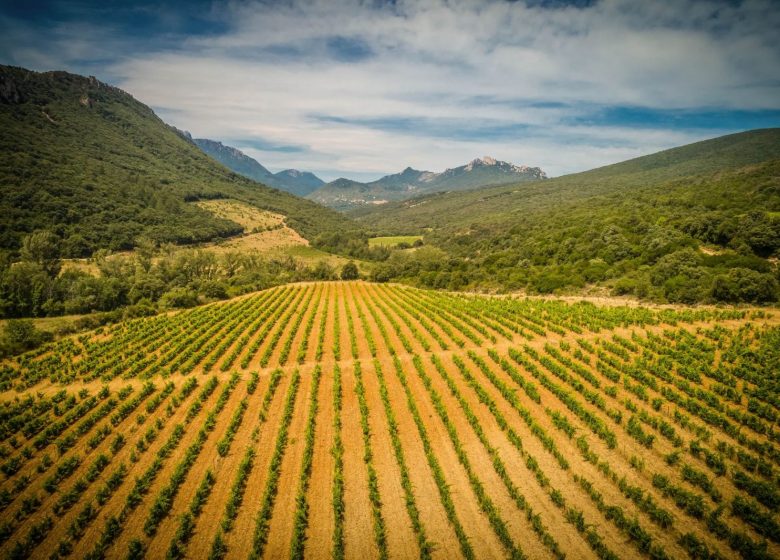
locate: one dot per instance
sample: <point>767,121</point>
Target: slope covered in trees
<point>98,169</point>
<point>695,223</point>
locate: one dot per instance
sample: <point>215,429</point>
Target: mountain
<point>99,169</point>
<point>407,180</point>
<point>344,194</point>
<point>481,172</point>
<point>296,182</point>
<point>678,225</point>
<point>234,159</point>
<point>497,204</point>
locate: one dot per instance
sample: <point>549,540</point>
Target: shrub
<point>350,271</point>
<point>179,298</point>
<point>742,284</point>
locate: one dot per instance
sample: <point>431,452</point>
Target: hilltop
<point>345,194</point>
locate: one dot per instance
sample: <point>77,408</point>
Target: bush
<point>684,289</point>
<point>743,284</point>
<point>685,263</point>
<point>548,282</point>
<point>178,298</point>
<point>214,290</point>
<point>350,271</point>
<point>625,286</point>
<point>20,335</point>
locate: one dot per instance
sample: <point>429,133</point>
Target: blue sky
<point>364,88</point>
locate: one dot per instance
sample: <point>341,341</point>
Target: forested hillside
<point>85,170</point>
<point>98,169</point>
<point>695,223</point>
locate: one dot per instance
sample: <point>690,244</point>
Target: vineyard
<point>355,420</point>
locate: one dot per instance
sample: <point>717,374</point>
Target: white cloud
<point>277,69</point>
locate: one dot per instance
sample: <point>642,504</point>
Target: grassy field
<point>356,420</point>
<point>393,241</point>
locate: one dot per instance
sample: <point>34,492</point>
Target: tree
<point>43,247</point>
<point>179,297</point>
<point>24,290</point>
<point>214,289</point>
<point>742,284</point>
<point>350,271</point>
<point>76,247</point>
<point>760,234</point>
<point>685,262</point>
<point>20,335</point>
<point>323,271</point>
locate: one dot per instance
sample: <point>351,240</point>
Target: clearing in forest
<point>393,241</point>
<point>265,231</point>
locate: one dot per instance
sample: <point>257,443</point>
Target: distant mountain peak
<point>480,172</point>
<point>291,173</point>
<point>484,160</point>
<point>408,173</point>
<point>487,161</point>
<point>297,182</point>
<point>217,145</point>
<point>343,181</point>
<point>526,169</point>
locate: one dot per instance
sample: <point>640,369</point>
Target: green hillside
<point>695,223</point>
<point>99,169</point>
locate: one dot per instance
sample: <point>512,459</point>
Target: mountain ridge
<point>728,152</point>
<point>299,183</point>
<point>346,194</point>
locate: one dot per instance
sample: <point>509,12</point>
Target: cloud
<point>360,88</point>
<point>260,145</point>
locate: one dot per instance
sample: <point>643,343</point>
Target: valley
<point>229,328</point>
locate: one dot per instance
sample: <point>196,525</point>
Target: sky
<point>361,89</point>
